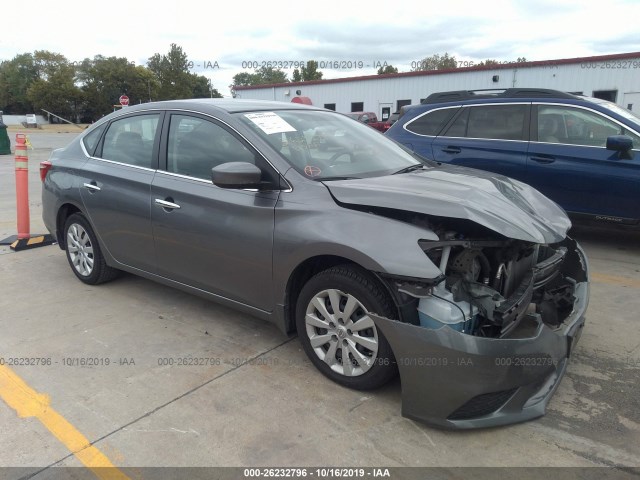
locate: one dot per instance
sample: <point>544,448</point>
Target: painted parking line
<point>29,403</point>
<point>614,279</point>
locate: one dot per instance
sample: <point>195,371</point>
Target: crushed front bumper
<point>458,381</point>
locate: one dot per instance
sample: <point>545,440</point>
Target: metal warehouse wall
<point>378,93</point>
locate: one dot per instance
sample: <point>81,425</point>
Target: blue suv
<point>580,151</point>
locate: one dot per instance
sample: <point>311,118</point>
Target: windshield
<point>324,145</point>
<point>628,114</point>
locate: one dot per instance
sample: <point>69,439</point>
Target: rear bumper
<point>458,381</point>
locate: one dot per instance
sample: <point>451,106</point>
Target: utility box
<point>32,121</point>
<point>5,143</point>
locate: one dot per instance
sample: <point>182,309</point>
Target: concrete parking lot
<point>178,381</point>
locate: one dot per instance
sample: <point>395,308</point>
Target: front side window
<point>576,126</point>
<point>130,140</point>
<point>196,145</point>
<point>497,122</point>
<point>432,122</point>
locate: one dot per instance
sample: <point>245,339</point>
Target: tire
<point>371,362</point>
<point>83,252</point>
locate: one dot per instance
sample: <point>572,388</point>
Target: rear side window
<point>432,122</point>
<point>91,140</point>
<point>498,122</point>
<point>130,140</point>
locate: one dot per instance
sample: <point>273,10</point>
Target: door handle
<point>452,150</point>
<point>92,187</point>
<point>543,158</point>
<point>166,204</point>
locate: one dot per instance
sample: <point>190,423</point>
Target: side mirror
<point>236,175</point>
<point>622,144</point>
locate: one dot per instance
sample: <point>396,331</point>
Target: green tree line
<point>85,91</point>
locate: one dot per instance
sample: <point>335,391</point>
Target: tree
<point>243,79</point>
<point>104,79</point>
<point>202,87</point>
<point>55,88</point>
<point>267,75</point>
<point>310,71</point>
<point>387,69</point>
<point>436,62</point>
<point>172,72</point>
<point>261,76</point>
<point>488,63</point>
<point>16,76</point>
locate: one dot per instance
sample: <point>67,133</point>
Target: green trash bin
<point>5,143</point>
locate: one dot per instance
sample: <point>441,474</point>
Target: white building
<point>612,77</point>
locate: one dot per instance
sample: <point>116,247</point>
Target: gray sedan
<point>464,282</point>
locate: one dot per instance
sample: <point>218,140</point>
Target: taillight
<point>44,169</point>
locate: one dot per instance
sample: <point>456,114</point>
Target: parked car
<point>393,118</point>
<point>463,281</point>
<point>368,118</point>
<point>579,151</point>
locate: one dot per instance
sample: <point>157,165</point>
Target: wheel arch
<point>306,270</point>
<point>64,212</point>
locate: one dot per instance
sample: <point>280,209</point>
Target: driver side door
<point>214,239</point>
<point>568,162</point>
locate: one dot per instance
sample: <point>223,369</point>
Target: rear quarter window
<point>91,139</point>
<point>432,122</point>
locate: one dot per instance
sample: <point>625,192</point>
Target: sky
<point>222,39</point>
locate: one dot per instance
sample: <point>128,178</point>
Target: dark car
<point>463,281</point>
<point>582,152</point>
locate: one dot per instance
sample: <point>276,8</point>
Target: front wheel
<point>83,252</point>
<point>336,331</point>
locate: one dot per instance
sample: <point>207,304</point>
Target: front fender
<point>376,243</point>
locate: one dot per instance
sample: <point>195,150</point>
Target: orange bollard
<point>22,186</point>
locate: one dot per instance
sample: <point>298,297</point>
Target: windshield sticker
<point>311,171</point>
<point>270,122</point>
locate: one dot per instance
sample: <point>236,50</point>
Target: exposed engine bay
<point>490,284</point>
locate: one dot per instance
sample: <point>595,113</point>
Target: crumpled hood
<point>501,204</point>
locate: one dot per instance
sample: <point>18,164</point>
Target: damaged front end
<point>486,342</point>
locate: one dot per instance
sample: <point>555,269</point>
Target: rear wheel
<point>83,252</point>
<point>336,331</point>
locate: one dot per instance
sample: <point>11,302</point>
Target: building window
<point>357,106</point>
<point>330,106</point>
<point>609,95</point>
<point>402,103</point>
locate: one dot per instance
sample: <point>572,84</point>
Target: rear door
<point>116,184</point>
<point>218,240</point>
<point>568,161</point>
<point>491,137</point>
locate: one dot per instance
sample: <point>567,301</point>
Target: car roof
<point>229,105</point>
<point>491,94</point>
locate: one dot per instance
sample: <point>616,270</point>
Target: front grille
<point>482,405</point>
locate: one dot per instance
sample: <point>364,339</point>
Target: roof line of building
<point>500,66</point>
